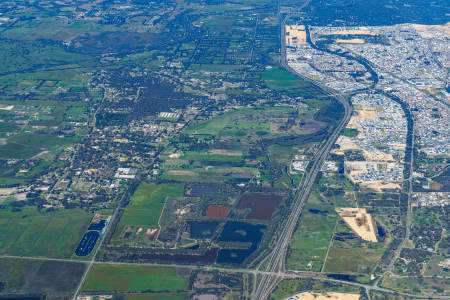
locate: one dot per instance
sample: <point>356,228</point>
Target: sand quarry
<point>431,31</point>
<point>325,296</point>
<point>359,221</point>
<point>295,35</point>
<point>350,41</point>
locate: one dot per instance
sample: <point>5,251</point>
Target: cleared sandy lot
<point>429,31</point>
<point>295,35</point>
<point>359,221</point>
<point>350,41</point>
<point>361,31</point>
<point>325,296</point>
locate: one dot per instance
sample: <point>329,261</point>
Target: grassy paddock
<point>37,276</point>
<point>147,203</point>
<point>109,278</point>
<point>52,234</point>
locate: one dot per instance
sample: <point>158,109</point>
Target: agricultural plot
<point>29,232</point>
<point>21,276</point>
<point>110,278</point>
<point>217,211</point>
<point>261,206</point>
<point>146,205</point>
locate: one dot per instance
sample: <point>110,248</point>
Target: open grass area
<point>199,156</point>
<point>51,234</point>
<point>418,285</point>
<point>211,174</point>
<point>108,278</point>
<point>146,204</point>
<point>240,122</point>
<point>28,144</point>
<point>350,132</point>
<point>279,79</point>
<point>37,276</point>
<point>353,255</point>
<point>311,239</point>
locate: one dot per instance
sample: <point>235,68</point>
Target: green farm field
<point>240,122</point>
<point>38,276</point>
<point>108,278</point>
<point>32,233</point>
<point>279,79</point>
<point>26,145</point>
<point>312,237</point>
<point>147,203</point>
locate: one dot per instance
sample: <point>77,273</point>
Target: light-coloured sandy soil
<point>366,114</point>
<point>353,31</point>
<point>295,35</point>
<point>430,31</point>
<point>326,296</point>
<point>359,221</point>
<point>350,41</point>
<point>181,173</point>
<point>226,152</point>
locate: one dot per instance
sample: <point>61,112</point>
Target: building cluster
<point>333,71</point>
<point>412,63</point>
<point>432,199</point>
<point>374,156</point>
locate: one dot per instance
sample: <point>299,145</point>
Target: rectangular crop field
<point>108,278</point>
<point>32,233</point>
<point>38,276</point>
<point>147,203</point>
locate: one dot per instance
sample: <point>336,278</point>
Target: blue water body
<point>87,243</point>
<point>98,226</point>
<point>202,229</point>
<point>239,232</point>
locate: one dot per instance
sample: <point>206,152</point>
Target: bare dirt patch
<point>359,221</point>
<point>366,114</point>
<point>327,296</point>
<point>226,152</point>
<point>429,31</point>
<point>295,35</point>
<point>181,173</point>
<point>360,31</point>
<point>217,211</point>
<point>350,41</point>
<point>262,206</point>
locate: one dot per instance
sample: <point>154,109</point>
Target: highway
<point>274,262</point>
<point>280,275</point>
